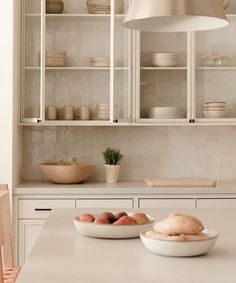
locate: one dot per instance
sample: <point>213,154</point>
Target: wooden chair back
<point>6,251</point>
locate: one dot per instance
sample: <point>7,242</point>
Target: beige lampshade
<point>175,15</point>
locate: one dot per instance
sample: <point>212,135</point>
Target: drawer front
<point>216,203</point>
<point>166,203</point>
<point>104,203</point>
<point>41,208</point>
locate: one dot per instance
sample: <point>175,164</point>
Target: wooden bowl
<point>67,174</point>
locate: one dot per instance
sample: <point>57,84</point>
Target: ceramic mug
<point>84,113</point>
<point>68,113</point>
<point>51,113</point>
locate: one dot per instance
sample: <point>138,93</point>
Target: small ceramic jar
<point>68,113</point>
<point>54,6</point>
<point>84,113</point>
<point>51,113</point>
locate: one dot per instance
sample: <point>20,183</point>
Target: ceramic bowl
<point>67,174</point>
<point>180,249</point>
<point>110,231</point>
<point>214,113</point>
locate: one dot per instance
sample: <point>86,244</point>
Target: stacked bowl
<point>214,109</point>
<point>166,113</point>
<point>164,60</point>
<point>56,59</point>
<point>103,111</point>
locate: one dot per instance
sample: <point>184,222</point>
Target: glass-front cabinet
<point>214,83</point>
<point>163,77</point>
<point>79,66</point>
<point>76,62</point>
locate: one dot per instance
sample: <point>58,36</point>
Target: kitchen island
<point>62,255</point>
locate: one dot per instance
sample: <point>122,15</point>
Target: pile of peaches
<point>119,218</point>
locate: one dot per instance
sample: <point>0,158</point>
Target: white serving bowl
<point>180,249</point>
<point>111,231</point>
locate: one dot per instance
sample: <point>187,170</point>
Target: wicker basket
<point>104,7</point>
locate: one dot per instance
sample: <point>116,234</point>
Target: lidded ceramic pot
<point>54,6</point>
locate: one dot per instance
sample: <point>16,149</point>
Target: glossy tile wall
<point>149,151</point>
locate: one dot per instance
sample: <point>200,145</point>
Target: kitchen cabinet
<point>221,203</point>
<point>166,203</point>
<point>130,84</point>
<point>32,214</point>
<point>77,81</point>
<point>29,231</point>
<point>105,203</point>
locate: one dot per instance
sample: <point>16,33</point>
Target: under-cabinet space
<point>168,203</point>
<point>105,203</point>
<point>221,203</point>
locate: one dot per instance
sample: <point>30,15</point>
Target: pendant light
<point>175,15</point>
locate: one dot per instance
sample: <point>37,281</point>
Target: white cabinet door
<point>166,203</point>
<point>104,203</point>
<point>29,231</point>
<point>216,203</point>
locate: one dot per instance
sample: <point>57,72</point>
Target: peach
<point>140,218</point>
<point>109,216</point>
<point>86,217</point>
<point>101,220</point>
<point>125,220</point>
<point>120,214</point>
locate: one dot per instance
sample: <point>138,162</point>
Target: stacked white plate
<point>164,60</point>
<point>166,113</point>
<point>100,62</point>
<point>103,111</point>
<point>214,109</point>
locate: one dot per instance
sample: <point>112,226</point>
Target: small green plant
<point>112,156</point>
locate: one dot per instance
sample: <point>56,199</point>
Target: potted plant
<point>112,159</point>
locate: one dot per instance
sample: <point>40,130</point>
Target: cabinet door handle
<point>42,209</point>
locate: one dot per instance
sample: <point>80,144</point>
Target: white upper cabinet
<point>163,77</point>
<point>95,72</point>
<point>214,85</point>
<point>84,74</point>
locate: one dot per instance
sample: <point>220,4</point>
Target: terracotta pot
<point>112,173</point>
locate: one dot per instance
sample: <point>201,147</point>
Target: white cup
<point>51,113</point>
<point>68,113</point>
<point>84,113</point>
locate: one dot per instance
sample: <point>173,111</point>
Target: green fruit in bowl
<point>72,163</point>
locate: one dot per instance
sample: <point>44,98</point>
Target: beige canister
<point>51,112</point>
<point>68,113</point>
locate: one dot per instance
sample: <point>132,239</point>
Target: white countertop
<point>139,188</point>
<point>62,255</point>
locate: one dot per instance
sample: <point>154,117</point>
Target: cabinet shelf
<point>216,68</point>
<point>77,68</point>
<point>80,17</point>
<point>163,68</point>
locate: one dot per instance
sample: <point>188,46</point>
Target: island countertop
<point>63,255</point>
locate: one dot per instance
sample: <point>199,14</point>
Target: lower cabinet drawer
<point>216,203</point>
<point>41,208</point>
<point>166,203</point>
<point>104,203</point>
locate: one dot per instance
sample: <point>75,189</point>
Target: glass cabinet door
<point>30,70</point>
<point>215,88</point>
<point>77,62</point>
<point>163,77</point>
<point>122,67</point>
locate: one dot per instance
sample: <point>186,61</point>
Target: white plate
<point>180,249</point>
<point>110,231</point>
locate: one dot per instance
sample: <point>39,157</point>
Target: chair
<point>8,273</point>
